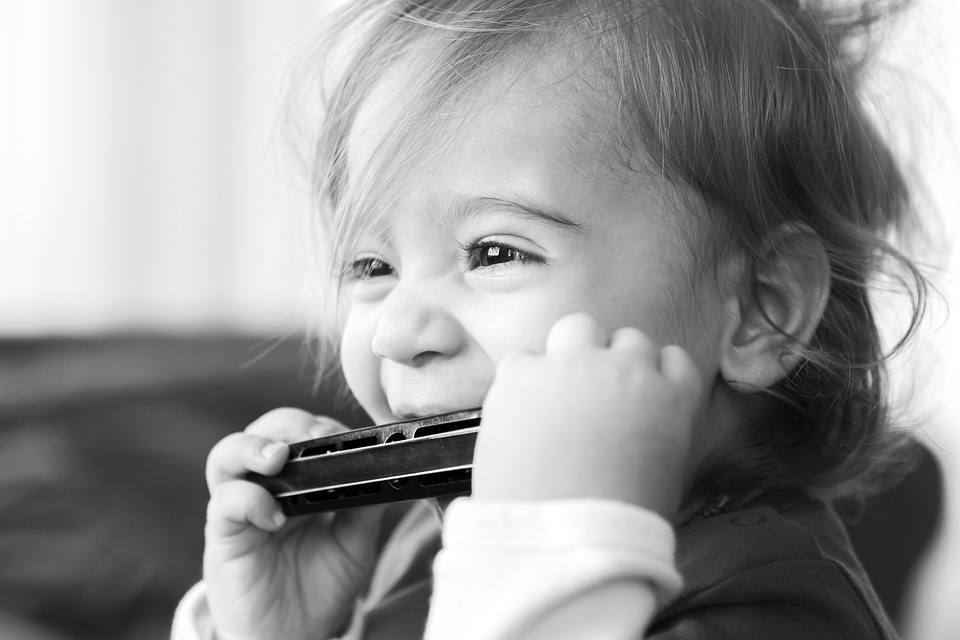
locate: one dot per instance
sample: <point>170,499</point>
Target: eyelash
<point>475,254</point>
<point>365,268</point>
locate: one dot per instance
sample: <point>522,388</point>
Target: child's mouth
<point>408,413</point>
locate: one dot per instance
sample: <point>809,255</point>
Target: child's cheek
<point>361,369</point>
<point>510,328</point>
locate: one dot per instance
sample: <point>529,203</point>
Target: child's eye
<point>366,269</point>
<point>492,254</point>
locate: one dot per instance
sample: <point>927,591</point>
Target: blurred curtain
<point>139,184</point>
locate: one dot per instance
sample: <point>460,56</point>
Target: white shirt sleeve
<point>192,621</point>
<point>561,570</point>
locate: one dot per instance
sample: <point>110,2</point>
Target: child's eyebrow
<point>464,207</point>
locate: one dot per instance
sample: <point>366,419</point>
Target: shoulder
<point>779,566</point>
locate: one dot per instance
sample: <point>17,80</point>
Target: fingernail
<point>270,449</point>
<point>279,519</point>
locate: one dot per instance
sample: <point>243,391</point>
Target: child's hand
<point>596,415</point>
<point>267,577</point>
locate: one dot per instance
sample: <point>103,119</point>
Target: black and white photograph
<point>479,319</point>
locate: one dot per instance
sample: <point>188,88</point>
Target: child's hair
<point>752,109</point>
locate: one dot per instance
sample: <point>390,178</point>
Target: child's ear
<point>777,311</point>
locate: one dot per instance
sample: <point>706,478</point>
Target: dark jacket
<point>778,568</point>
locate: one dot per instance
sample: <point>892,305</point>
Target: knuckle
<point>228,442</point>
<point>234,454</point>
<point>279,419</point>
<point>283,414</point>
<point>574,319</point>
<point>234,496</point>
<point>683,369</point>
<point>576,331</point>
<point>632,333</point>
<point>225,503</point>
<point>324,426</point>
<point>213,509</point>
<point>635,341</point>
<point>576,323</point>
<point>221,450</point>
<point>684,359</point>
<point>513,365</point>
<point>219,499</point>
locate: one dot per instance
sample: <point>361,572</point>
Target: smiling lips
<point>404,412</point>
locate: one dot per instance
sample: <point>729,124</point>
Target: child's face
<point>523,219</point>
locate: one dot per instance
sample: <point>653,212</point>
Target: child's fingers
<point>238,453</point>
<point>293,425</point>
<point>236,505</point>
<point>263,446</point>
<point>678,366</point>
<point>637,342</point>
<point>575,331</point>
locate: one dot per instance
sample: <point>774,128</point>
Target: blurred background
<point>153,299</point>
<point>138,186</point>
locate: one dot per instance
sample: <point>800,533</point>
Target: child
<point>640,236</point>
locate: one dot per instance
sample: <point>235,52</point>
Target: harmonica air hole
<point>445,427</point>
<point>359,443</point>
<point>445,477</point>
<point>396,436</point>
<point>340,493</point>
<point>340,445</point>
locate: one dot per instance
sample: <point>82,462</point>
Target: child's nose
<point>415,326</point>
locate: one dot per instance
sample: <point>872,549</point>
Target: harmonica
<point>422,458</point>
